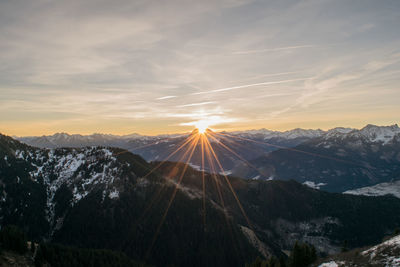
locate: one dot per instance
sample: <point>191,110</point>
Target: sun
<point>201,126</point>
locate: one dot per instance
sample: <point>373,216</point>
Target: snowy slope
<point>391,188</point>
<point>370,133</point>
<point>81,170</point>
<point>385,254</point>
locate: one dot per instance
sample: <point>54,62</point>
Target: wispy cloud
<point>255,51</point>
<point>335,79</point>
<point>272,75</point>
<point>152,65</point>
<point>273,95</point>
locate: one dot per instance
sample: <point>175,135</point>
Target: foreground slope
<point>386,253</point>
<point>104,198</point>
<point>98,198</point>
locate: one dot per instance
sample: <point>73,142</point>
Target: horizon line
<point>188,132</point>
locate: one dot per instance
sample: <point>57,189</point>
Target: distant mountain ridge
<point>338,159</point>
<point>156,148</point>
<point>370,132</point>
<point>78,140</point>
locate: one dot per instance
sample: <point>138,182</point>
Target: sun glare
<point>201,127</point>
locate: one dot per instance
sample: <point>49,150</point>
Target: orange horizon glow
<point>39,131</point>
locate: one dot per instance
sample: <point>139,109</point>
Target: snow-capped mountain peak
<point>380,133</point>
<point>370,133</point>
<point>290,134</point>
<point>301,133</point>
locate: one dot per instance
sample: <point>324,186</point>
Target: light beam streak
<point>229,183</point>
<point>234,153</point>
<point>296,150</point>
<point>203,180</point>
<point>193,147</point>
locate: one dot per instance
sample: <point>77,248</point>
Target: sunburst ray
<point>192,149</point>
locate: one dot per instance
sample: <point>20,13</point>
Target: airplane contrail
<point>248,85</point>
<point>166,97</point>
<point>196,104</point>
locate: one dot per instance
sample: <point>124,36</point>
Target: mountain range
<point>109,198</point>
<point>335,160</point>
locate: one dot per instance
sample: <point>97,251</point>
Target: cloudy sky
<point>155,67</point>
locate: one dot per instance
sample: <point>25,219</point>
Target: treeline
<point>12,238</point>
<point>62,256</point>
<point>302,255</point>
<point>46,254</point>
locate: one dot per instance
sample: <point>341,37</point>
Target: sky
<point>155,67</point>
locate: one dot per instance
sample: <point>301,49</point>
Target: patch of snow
<point>392,242</point>
<point>329,264</point>
<point>226,173</point>
<point>390,188</point>
<point>392,261</point>
<point>19,154</point>
<point>79,195</point>
<point>194,166</point>
<point>253,239</point>
<point>385,254</point>
<point>313,184</point>
<point>114,194</point>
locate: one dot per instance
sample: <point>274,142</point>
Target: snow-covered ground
<point>78,169</point>
<point>314,185</point>
<point>385,254</point>
<point>391,188</point>
<point>329,264</point>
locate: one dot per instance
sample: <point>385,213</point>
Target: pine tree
<point>282,262</point>
<point>344,246</point>
<point>12,238</point>
<point>302,255</point>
